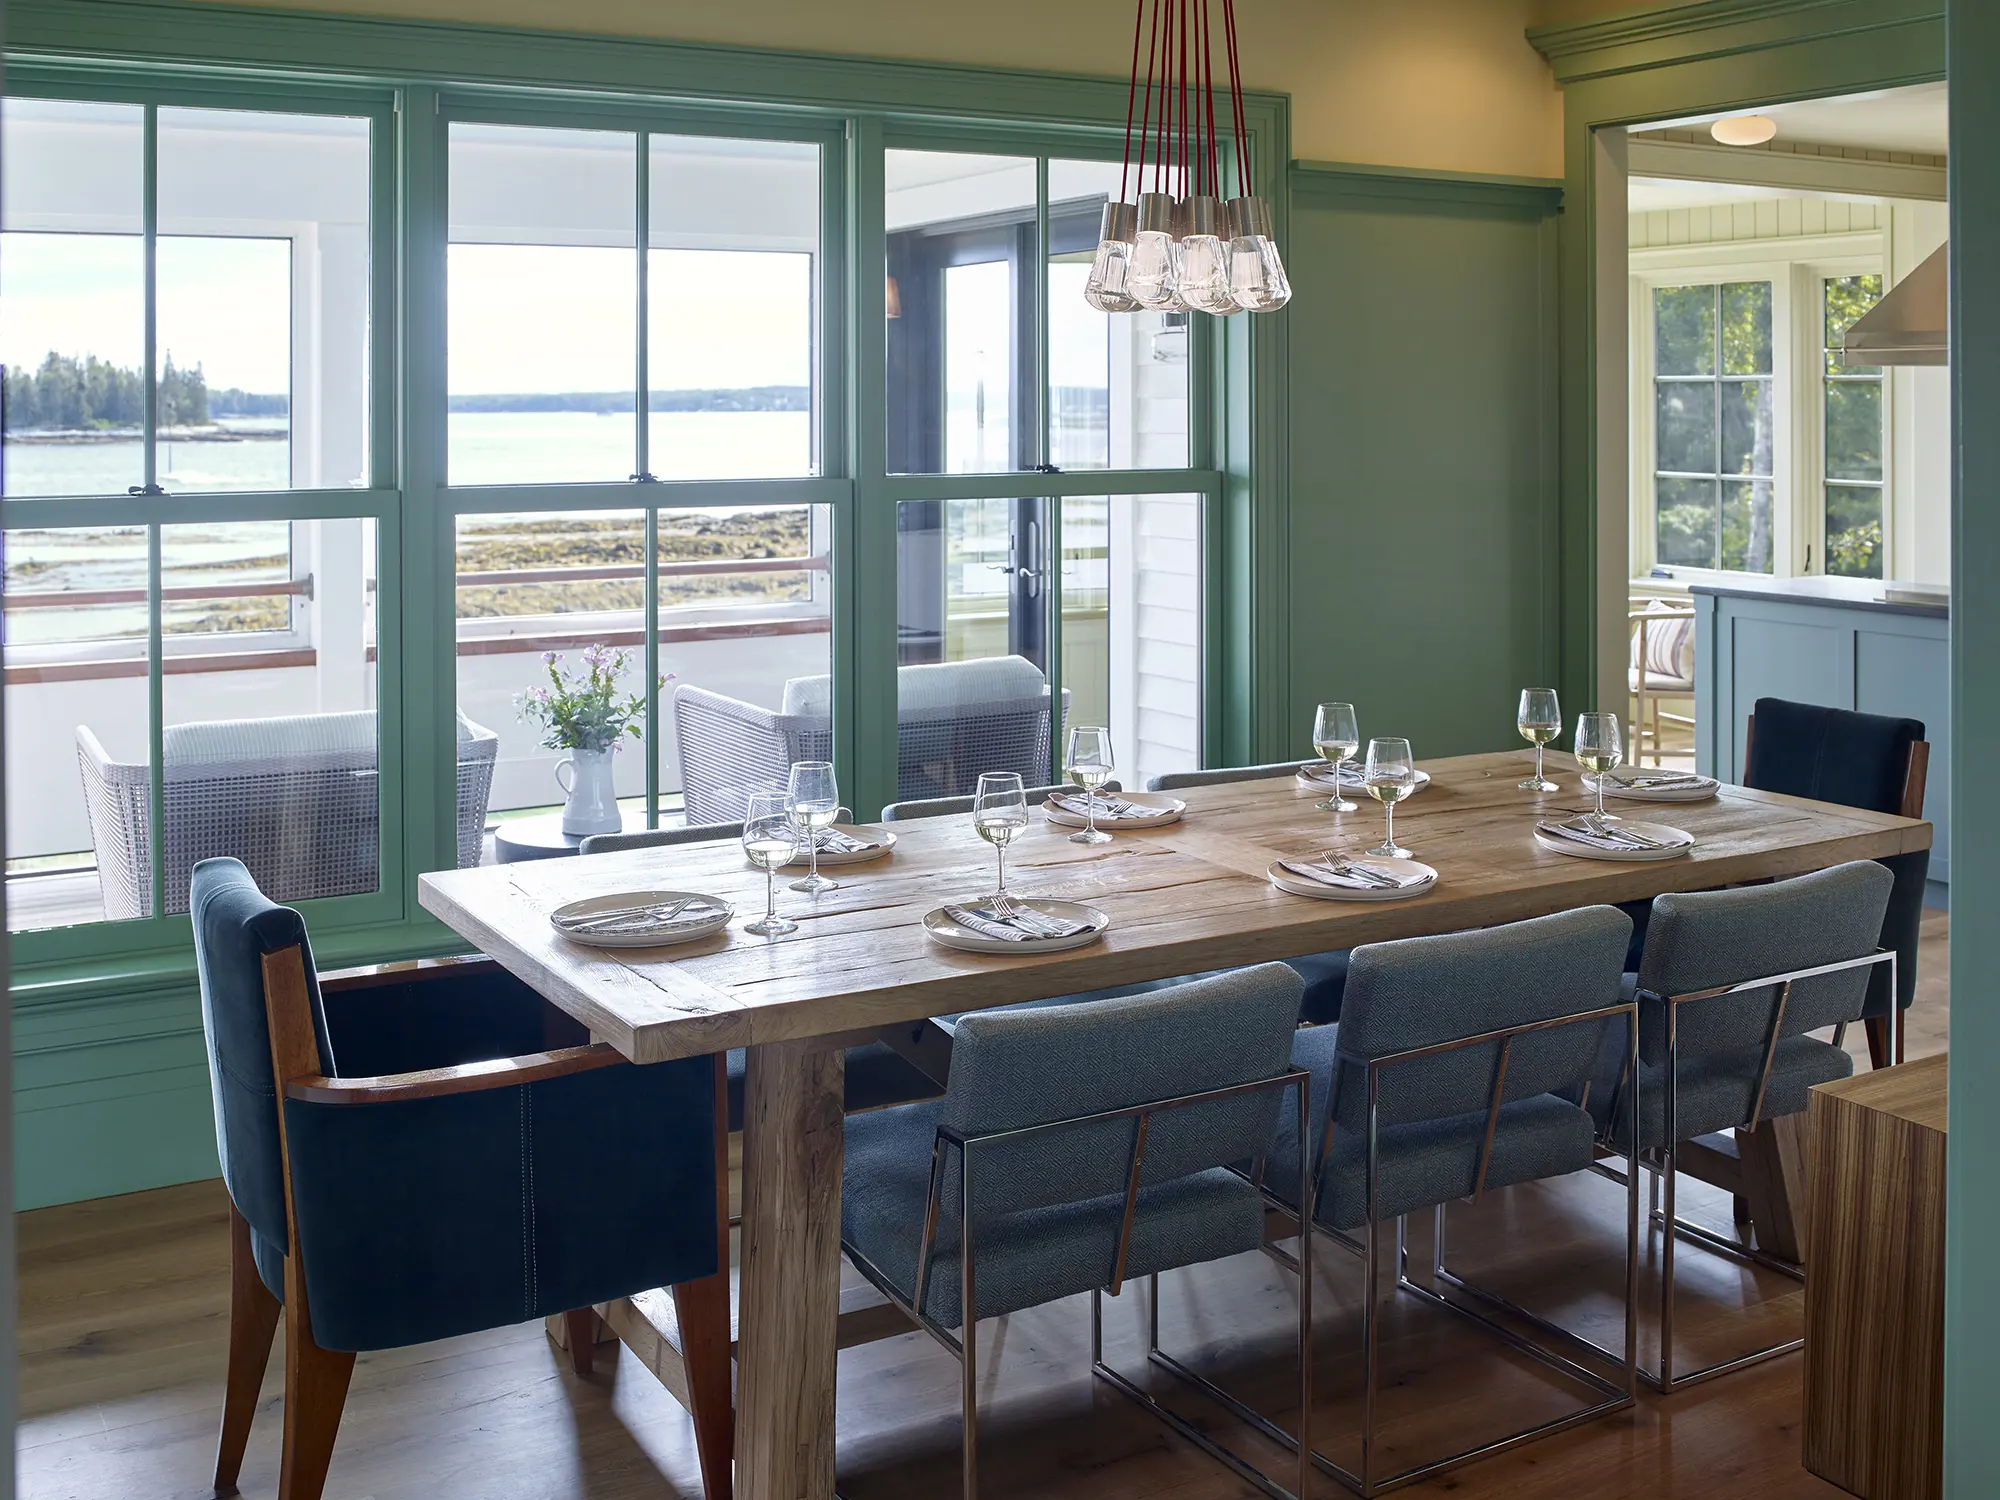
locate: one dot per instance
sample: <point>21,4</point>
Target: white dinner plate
<point>1616,786</point>
<point>1299,885</point>
<point>1353,783</point>
<point>880,842</point>
<point>649,935</point>
<point>942,929</point>
<point>1168,810</point>
<point>1680,842</point>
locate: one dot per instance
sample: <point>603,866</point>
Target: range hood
<point>1907,327</point>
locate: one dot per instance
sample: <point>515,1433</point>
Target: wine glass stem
<point>1538,760</point>
<point>770,893</point>
<point>1600,794</point>
<point>1389,835</point>
<point>1090,812</point>
<point>1000,851</point>
<point>813,856</point>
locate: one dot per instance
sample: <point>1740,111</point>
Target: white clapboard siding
<point>1758,219</point>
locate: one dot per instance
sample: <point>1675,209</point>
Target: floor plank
<point>124,1307</point>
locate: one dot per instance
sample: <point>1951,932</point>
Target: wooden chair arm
<point>404,971</point>
<point>465,1078</point>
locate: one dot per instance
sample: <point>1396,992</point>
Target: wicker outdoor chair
<point>954,720</point>
<point>294,798</point>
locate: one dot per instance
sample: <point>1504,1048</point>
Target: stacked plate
<point>848,844</point>
<point>1330,877</point>
<point>641,919</point>
<point>1585,837</point>
<point>1114,809</point>
<point>1017,924</point>
<point>1317,775</point>
<point>1636,785</point>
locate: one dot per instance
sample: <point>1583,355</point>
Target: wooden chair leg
<point>1878,1042</point>
<point>315,1392</point>
<point>580,1335</point>
<point>702,1310</point>
<point>253,1322</point>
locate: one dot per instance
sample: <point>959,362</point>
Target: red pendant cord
<point>1208,88</point>
<point>1146,121</point>
<point>1132,98</point>
<point>1184,98</point>
<point>1236,95</point>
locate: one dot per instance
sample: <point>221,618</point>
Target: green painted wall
<point>1972,1294</point>
<point>1423,447</point>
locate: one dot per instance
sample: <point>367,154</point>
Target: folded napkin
<point>1105,807</point>
<point>1623,842</point>
<point>990,924</point>
<point>642,918</point>
<point>1655,779</point>
<point>1326,875</point>
<point>833,841</point>
<point>1352,773</point>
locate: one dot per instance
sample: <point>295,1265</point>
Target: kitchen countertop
<point>1838,593</point>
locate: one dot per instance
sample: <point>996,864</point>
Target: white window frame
<point>1795,267</point>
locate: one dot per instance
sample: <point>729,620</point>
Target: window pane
<point>731,293</point>
<point>271,733</point>
<point>1748,430</point>
<point>543,305</point>
<point>1746,328</point>
<point>745,609</point>
<point>960,350</point>
<point>1684,330</point>
<point>1117,385</point>
<point>1854,429</point>
<point>1847,298</point>
<point>1746,525</point>
<point>77,701</point>
<point>72,297</point>
<point>1131,627</point>
<point>536,591</point>
<point>263,300</point>
<point>1686,518</point>
<point>972,694</point>
<point>1684,430</point>
<point>1854,530</point>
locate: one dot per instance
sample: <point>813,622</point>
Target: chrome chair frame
<point>964,1347</point>
<point>1616,1397</point>
<point>1662,1165</point>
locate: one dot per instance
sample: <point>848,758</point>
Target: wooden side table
<point>1874,1389</point>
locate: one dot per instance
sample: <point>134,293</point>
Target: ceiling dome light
<point>1744,130</point>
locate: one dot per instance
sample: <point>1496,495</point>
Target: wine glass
<point>1336,738</point>
<point>1540,720</point>
<point>1390,775</point>
<point>1087,762</point>
<point>770,840</point>
<point>814,800</point>
<point>1599,749</point>
<point>1000,815</point>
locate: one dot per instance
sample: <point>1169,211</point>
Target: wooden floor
<point>124,1307</point>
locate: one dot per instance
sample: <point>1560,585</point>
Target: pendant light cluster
<point>1181,248</point>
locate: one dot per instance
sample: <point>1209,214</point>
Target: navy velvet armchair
<point>428,1150</point>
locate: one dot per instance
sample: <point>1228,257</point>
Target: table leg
<point>790,1299</point>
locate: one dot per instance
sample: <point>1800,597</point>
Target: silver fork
<point>1008,909</point>
<point>1341,865</point>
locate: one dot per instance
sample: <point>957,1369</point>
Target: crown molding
<point>1660,35</point>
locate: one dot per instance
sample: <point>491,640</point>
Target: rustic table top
<point>1184,898</point>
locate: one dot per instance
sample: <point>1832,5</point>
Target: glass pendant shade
<point>1152,280</point>
<point>1257,279</point>
<point>1204,278</point>
<point>1105,290</point>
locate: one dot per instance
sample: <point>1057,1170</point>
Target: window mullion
<point>156,791</point>
<point>642,452</point>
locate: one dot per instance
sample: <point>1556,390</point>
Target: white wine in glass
<point>1390,775</point>
<point>1598,750</point>
<point>1000,815</point>
<point>1539,721</point>
<point>1087,762</point>
<point>770,841</point>
<point>1336,738</point>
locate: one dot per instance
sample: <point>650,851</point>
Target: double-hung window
<point>194,489</point>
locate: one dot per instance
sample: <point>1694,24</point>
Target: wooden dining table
<point>1184,898</point>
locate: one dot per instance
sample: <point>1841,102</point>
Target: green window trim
<point>416,77</point>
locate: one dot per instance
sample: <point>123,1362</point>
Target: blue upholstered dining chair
<point>1447,1078</point>
<point>431,1150</point>
<point>1084,1145</point>
<point>1325,974</point>
<point>876,1073</point>
<point>1730,988</point>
